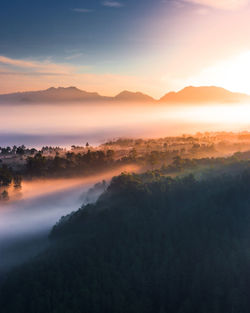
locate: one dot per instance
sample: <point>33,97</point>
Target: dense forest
<point>48,162</point>
<point>8,177</point>
<point>150,244</point>
<point>147,153</point>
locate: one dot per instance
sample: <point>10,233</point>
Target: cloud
<point>202,11</point>
<point>22,75</point>
<point>113,4</point>
<point>18,63</point>
<point>74,56</point>
<point>82,10</point>
<point>221,4</point>
<point>12,73</point>
<point>35,67</point>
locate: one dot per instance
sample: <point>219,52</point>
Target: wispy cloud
<point>35,67</point>
<point>221,4</point>
<point>74,56</point>
<point>203,11</point>
<point>113,4</point>
<point>82,10</point>
<point>30,74</point>
<point>23,75</point>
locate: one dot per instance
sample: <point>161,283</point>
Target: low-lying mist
<point>26,221</point>
<point>73,123</point>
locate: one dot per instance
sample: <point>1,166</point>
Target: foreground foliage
<point>150,244</point>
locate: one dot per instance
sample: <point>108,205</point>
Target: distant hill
<point>133,96</point>
<point>52,94</point>
<point>207,94</point>
<point>187,95</point>
<point>70,94</point>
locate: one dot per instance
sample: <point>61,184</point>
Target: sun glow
<point>223,115</point>
<point>232,74</point>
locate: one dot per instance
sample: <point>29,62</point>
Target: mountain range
<point>188,95</point>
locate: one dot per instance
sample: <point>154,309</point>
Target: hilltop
<point>204,94</point>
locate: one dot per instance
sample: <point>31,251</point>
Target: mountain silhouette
<point>53,94</point>
<point>207,94</point>
<point>188,95</point>
<point>133,96</point>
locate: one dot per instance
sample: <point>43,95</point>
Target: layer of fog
<point>26,222</point>
<point>37,125</point>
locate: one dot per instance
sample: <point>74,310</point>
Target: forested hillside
<point>150,244</point>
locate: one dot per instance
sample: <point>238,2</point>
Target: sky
<point>153,46</point>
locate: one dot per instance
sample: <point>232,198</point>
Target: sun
<point>232,74</point>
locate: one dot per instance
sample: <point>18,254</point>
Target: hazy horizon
<point>108,46</point>
<point>58,86</point>
<point>135,197</point>
<point>53,125</point>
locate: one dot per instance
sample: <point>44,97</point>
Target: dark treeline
<point>8,177</point>
<point>66,164</point>
<point>71,164</point>
<point>150,244</point>
<point>238,161</point>
<point>17,150</point>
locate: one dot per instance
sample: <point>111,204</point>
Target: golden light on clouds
<point>26,75</point>
<point>222,4</point>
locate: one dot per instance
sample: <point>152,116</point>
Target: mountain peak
<point>63,89</point>
<point>133,96</point>
<point>53,94</point>
<point>204,94</point>
<point>188,95</point>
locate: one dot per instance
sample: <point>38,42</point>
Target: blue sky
<point>63,29</point>
<point>152,45</point>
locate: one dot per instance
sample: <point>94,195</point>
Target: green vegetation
<point>8,176</point>
<point>70,164</point>
<point>150,244</point>
<point>149,154</point>
<point>170,155</point>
